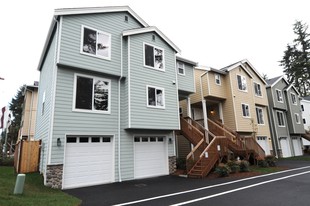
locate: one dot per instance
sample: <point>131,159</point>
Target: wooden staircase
<point>306,135</point>
<point>222,141</point>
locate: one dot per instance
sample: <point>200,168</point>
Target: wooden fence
<point>26,156</point>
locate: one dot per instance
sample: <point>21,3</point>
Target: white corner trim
<point>129,98</point>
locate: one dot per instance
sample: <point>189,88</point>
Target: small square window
<point>84,139</point>
<point>160,139</point>
<point>152,139</point>
<point>145,139</point>
<point>71,139</point>
<point>95,139</point>
<point>126,18</point>
<point>180,67</point>
<point>137,139</point>
<point>106,139</point>
<point>217,79</point>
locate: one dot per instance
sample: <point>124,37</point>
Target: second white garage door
<point>297,146</point>
<point>88,161</point>
<point>151,156</point>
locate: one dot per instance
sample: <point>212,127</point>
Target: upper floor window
<point>304,120</point>
<point>259,115</point>
<point>96,43</point>
<point>153,57</point>
<point>92,94</point>
<point>155,97</point>
<point>245,110</point>
<point>241,83</point>
<point>294,100</point>
<point>217,79</point>
<point>257,89</point>
<point>279,95</point>
<point>302,108</point>
<point>297,118</point>
<point>280,118</point>
<point>181,69</point>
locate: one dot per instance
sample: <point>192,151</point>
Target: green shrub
<point>263,163</point>
<point>234,166</point>
<point>181,163</point>
<point>222,170</point>
<point>271,160</point>
<point>9,161</point>
<point>244,166</point>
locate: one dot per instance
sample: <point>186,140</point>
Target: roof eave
<point>186,61</point>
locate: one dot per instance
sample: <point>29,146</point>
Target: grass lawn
<point>264,170</point>
<point>298,158</point>
<point>35,193</point>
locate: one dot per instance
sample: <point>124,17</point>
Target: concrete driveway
<point>174,190</point>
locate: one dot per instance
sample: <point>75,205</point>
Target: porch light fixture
<point>212,112</point>
<point>170,141</point>
<point>58,142</point>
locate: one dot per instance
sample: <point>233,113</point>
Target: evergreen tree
<point>16,106</point>
<point>296,59</point>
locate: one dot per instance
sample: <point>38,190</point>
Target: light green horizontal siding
<point>112,23</point>
<point>140,76</point>
<point>43,122</point>
<point>186,82</point>
<point>67,121</point>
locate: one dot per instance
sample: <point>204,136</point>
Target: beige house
<point>234,96</point>
<point>29,112</point>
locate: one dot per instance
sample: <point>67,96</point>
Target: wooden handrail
<point>194,149</point>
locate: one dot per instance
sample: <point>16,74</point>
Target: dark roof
<point>306,98</point>
<point>225,68</point>
<point>273,80</point>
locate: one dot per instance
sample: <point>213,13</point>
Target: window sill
<point>91,111</point>
<point>153,68</point>
<point>95,56</point>
<point>154,107</point>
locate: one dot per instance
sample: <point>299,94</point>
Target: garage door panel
<point>88,164</point>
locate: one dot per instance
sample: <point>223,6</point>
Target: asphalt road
<point>286,188</point>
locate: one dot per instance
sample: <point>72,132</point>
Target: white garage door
<point>297,146</point>
<point>151,157</point>
<point>286,152</point>
<point>263,142</point>
<point>88,161</point>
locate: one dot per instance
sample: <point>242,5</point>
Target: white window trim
<point>92,110</point>
<point>261,91</point>
<point>143,49</point>
<point>246,85</point>
<point>248,109</point>
<point>297,117</point>
<point>294,103</point>
<point>263,118</point>
<point>94,55</point>
<point>147,97</point>
<point>219,78</point>
<point>278,119</point>
<point>183,67</point>
<point>281,101</point>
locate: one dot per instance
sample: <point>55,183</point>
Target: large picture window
<point>245,110</point>
<point>96,43</point>
<point>155,97</point>
<point>92,94</point>
<point>259,115</point>
<point>153,57</point>
<point>241,83</point>
<point>280,117</point>
<point>294,99</point>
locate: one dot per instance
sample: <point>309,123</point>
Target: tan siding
<point>228,106</point>
<point>263,130</point>
<point>197,96</point>
<point>183,105</point>
<point>215,89</point>
<point>184,146</point>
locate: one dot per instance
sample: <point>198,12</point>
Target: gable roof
<point>151,29</point>
<point>275,80</point>
<point>292,86</point>
<point>96,10</point>
<point>82,10</point>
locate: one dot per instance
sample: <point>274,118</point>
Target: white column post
<point>189,108</point>
<point>205,117</point>
<point>221,112</point>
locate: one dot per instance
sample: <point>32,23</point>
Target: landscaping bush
<point>222,170</point>
<point>244,166</point>
<point>271,160</point>
<point>9,161</point>
<point>181,163</point>
<point>234,166</point>
<point>263,163</point>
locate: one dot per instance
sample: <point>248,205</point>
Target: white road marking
<point>238,189</point>
<point>208,187</point>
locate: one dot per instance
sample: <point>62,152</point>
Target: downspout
<point>119,115</point>
<point>30,115</point>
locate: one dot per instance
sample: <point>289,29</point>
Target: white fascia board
<point>292,86</point>
<point>94,10</point>
<point>151,29</point>
<point>241,65</point>
<point>186,61</point>
<point>255,71</point>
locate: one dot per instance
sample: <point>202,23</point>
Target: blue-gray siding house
<point>285,117</point>
<point>108,102</point>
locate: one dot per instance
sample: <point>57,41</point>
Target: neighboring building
<point>28,119</point>
<point>236,97</point>
<point>108,99</point>
<point>305,109</point>
<point>285,116</point>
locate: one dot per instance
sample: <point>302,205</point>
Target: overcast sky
<point>213,33</point>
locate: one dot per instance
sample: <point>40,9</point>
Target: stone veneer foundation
<point>172,164</point>
<point>54,176</point>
